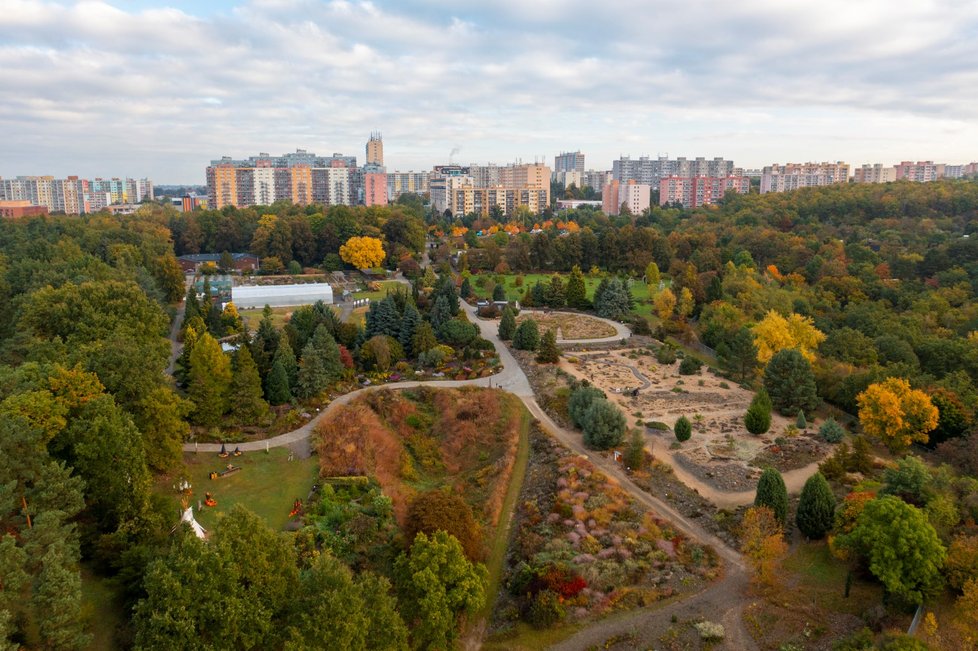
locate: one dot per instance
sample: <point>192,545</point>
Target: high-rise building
<point>919,172</point>
<point>875,173</point>
<point>478,188</point>
<point>636,196</point>
<point>301,177</point>
<point>566,178</point>
<point>375,149</point>
<point>374,185</point>
<point>399,183</point>
<point>609,197</point>
<point>696,191</point>
<point>782,178</point>
<point>73,195</point>
<point>569,162</point>
<point>597,179</point>
<point>650,171</point>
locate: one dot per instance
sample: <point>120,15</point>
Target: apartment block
<point>565,178</point>
<point>651,170</point>
<point>569,162</point>
<point>875,173</point>
<point>960,171</point>
<point>73,195</point>
<point>399,183</point>
<point>782,178</point>
<point>919,172</point>
<point>696,191</point>
<point>301,177</point>
<point>20,208</point>
<point>636,196</point>
<point>477,188</point>
<point>375,149</point>
<point>597,179</point>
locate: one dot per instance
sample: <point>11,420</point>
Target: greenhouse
<point>281,295</point>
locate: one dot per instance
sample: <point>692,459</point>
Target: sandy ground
<point>569,325</point>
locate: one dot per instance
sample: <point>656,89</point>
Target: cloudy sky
<point>136,87</point>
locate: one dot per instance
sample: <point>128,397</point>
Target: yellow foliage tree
<point>774,333</point>
<point>665,303</point>
<point>896,414</point>
<point>686,303</point>
<point>363,252</point>
<point>763,545</point>
<point>967,611</point>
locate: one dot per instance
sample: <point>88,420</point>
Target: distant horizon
<point>158,88</point>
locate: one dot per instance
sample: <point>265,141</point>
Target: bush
<point>690,365</point>
<point>546,609</point>
<point>800,422</point>
<point>604,425</point>
<point>757,419</point>
<point>431,358</point>
<point>446,511</point>
<point>527,336</point>
<point>666,354</point>
<point>683,429</point>
<point>579,402</point>
<point>655,424</point>
<point>458,333</point>
<point>831,431</point>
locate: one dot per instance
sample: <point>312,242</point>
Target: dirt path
<point>175,346</point>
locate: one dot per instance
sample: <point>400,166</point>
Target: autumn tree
<point>774,333</point>
<point>686,304</point>
<point>652,278</point>
<point>816,508</point>
<point>896,414</point>
<point>209,381</point>
<point>899,545</point>
<point>363,252</point>
<point>762,542</point>
<point>772,493</point>
<point>665,304</point>
<point>436,584</point>
<point>446,511</point>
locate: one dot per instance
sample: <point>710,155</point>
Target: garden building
<point>248,296</point>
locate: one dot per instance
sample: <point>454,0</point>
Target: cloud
<point>161,90</point>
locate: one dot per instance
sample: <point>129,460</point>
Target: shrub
<point>757,420</point>
<point>446,511</point>
<point>546,609</point>
<point>458,333</point>
<point>527,336</point>
<point>579,402</point>
<point>831,431</point>
<point>431,358</point>
<point>710,631</point>
<point>604,425</point>
<point>690,365</point>
<point>800,422</point>
<point>683,429</point>
<point>655,424</point>
<point>666,354</point>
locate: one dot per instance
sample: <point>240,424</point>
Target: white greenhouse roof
<point>281,295</point>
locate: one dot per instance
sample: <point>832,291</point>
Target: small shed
<point>247,296</point>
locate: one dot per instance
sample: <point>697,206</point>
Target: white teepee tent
<point>188,517</point>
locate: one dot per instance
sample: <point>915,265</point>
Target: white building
<point>783,178</point>
<point>247,296</point>
<point>876,173</point>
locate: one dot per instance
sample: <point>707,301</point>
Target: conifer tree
<point>772,493</point>
<point>409,326</point>
<point>507,324</point>
<point>387,320</point>
<point>683,429</point>
<point>290,364</point>
<point>527,336</point>
<point>576,289</point>
<point>499,292</point>
<point>441,313</point>
<point>549,353</point>
<point>277,384</point>
<point>247,405</point>
<point>209,381</point>
<point>790,382</point>
<point>465,291</point>
<point>816,507</point>
<point>424,338</point>
<point>57,601</point>
<point>320,363</point>
<point>757,420</point>
<point>738,355</point>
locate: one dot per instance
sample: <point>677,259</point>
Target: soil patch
<point>569,325</point>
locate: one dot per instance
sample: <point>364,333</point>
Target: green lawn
<point>385,286</point>
<point>280,315</point>
<point>267,484</point>
<point>822,577</point>
<point>101,609</point>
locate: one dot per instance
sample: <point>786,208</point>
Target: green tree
<point>441,312</point>
<point>226,263</point>
<point>614,300</point>
<point>580,400</point>
<point>635,453</point>
<point>209,381</point>
<point>831,431</point>
<point>604,425</point>
<point>57,601</point>
<point>771,492</point>
<point>800,422</point>
<point>910,480</point>
<point>286,356</point>
<point>576,290</point>
<point>549,353</point>
<point>247,405</point>
<point>900,546</point>
<point>465,291</point>
<point>527,336</point>
<point>410,321</point>
<point>790,382</point>
<point>435,585</point>
<point>424,338</point>
<point>683,429</point>
<point>816,508</point>
<point>757,420</point>
<point>507,324</point>
<point>499,292</point>
<point>652,278</point>
<point>277,384</point>
<point>320,363</point>
<point>556,294</point>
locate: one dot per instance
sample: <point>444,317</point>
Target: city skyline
<point>158,89</point>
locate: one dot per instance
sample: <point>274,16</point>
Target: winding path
<point>721,601</point>
<point>621,330</point>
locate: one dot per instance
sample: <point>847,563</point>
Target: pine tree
<point>539,294</point>
<point>757,420</point>
<point>816,507</point>
<point>277,384</point>
<point>683,429</point>
<point>265,343</point>
<point>556,294</point>
<point>772,493</point>
<point>576,289</point>
<point>604,425</point>
<point>209,381</point>
<point>387,320</point>
<point>507,324</point>
<point>424,338</point>
<point>549,353</point>
<point>790,382</point>
<point>290,364</point>
<point>320,363</point>
<point>215,321</point>
<point>182,370</point>
<point>247,405</point>
<point>409,326</point>
<point>499,292</point>
<point>615,301</point>
<point>800,421</point>
<point>57,601</point>
<point>738,355</point>
<point>465,291</point>
<point>635,453</point>
<point>527,336</point>
<point>191,306</point>
<point>441,313</point>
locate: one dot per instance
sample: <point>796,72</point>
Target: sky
<point>158,89</point>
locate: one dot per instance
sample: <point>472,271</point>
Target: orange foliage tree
<point>763,545</point>
<point>363,252</point>
<point>896,414</point>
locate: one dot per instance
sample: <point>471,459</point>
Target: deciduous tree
<point>774,333</point>
<point>896,414</point>
<point>363,252</point>
<point>763,544</point>
<point>209,381</point>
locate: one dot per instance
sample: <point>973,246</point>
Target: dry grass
<point>569,325</point>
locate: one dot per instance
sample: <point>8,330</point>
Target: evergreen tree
<point>247,405</point>
<point>816,507</point>
<point>191,305</point>
<point>757,420</point>
<point>370,320</point>
<point>538,295</point>
<point>615,301</point>
<point>465,291</point>
<point>265,343</point>
<point>714,291</point>
<point>549,353</point>
<point>320,364</point>
<point>57,601</point>
<point>800,421</point>
<point>424,338</point>
<point>527,336</point>
<point>209,381</point>
<point>738,355</point>
<point>576,290</point>
<point>580,399</point>
<point>790,382</point>
<point>182,366</point>
<point>683,429</point>
<point>409,326</point>
<point>290,364</point>
<point>445,288</point>
<point>441,313</point>
<point>507,324</point>
<point>387,320</point>
<point>215,320</point>
<point>604,425</point>
<point>277,384</point>
<point>556,294</point>
<point>635,454</point>
<point>772,493</point>
<point>499,292</point>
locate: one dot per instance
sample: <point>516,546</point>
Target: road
<point>723,599</point>
<point>175,346</point>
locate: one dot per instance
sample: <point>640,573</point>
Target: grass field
<point>267,484</point>
<point>280,315</point>
<point>101,609</point>
<point>385,286</point>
